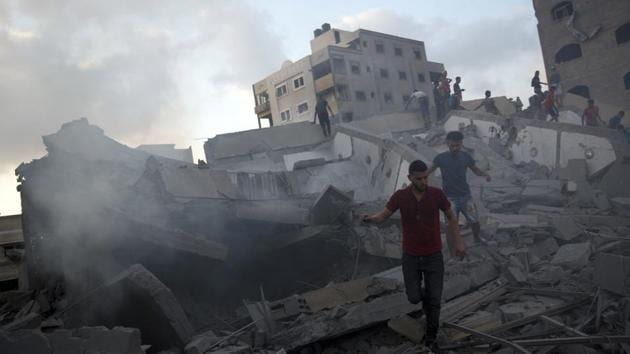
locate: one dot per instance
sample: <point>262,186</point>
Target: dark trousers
<point>431,269</point>
<point>325,123</point>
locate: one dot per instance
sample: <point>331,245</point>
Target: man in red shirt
<point>591,115</point>
<point>420,207</point>
<point>550,104</point>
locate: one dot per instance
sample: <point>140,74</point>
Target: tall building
<point>588,43</point>
<point>359,73</point>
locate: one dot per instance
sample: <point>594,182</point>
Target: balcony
<point>324,82</point>
<point>262,108</point>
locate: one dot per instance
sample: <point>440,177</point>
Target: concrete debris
<point>329,205</point>
<point>182,247</point>
<point>143,301</point>
<point>573,256</point>
<point>566,228</point>
<point>82,340</point>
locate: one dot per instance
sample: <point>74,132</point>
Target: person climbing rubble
<point>419,206</point>
<point>536,83</point>
<point>457,94</point>
<point>488,104</point>
<point>453,165</point>
<point>591,116</point>
<point>549,104</point>
<point>615,121</point>
<point>421,98</point>
<point>321,110</point>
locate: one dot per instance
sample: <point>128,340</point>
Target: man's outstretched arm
<point>476,170</point>
<point>378,217</point>
<point>453,227</point>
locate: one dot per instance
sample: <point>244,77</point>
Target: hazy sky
<point>157,71</point>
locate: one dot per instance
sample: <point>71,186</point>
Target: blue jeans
<point>466,206</point>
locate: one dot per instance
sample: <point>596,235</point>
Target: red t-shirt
<point>548,103</point>
<point>420,219</point>
<point>590,115</point>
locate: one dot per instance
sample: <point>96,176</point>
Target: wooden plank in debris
<point>551,312</point>
<point>512,345</point>
<point>559,324</point>
<point>573,340</point>
<point>549,292</point>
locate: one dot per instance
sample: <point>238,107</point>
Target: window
<point>387,96</point>
<point>384,73</point>
<point>626,80</point>
<point>360,95</point>
<point>367,68</point>
<point>263,97</point>
<point>355,68</point>
<point>402,75</point>
<point>365,44</point>
<point>342,92</point>
<point>417,54</point>
<point>398,51</point>
<point>421,78</point>
<point>561,10</point>
<point>302,107</point>
<point>581,90</point>
<point>281,90</point>
<point>622,34</point>
<point>569,52</point>
<point>285,115</point>
<point>339,65</point>
<point>380,47</point>
<point>321,70</point>
<point>337,37</point>
<point>299,82</point>
<point>372,94</point>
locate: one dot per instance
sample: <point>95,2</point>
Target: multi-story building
<point>359,73</point>
<point>588,43</point>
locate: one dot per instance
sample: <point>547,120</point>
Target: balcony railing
<point>262,108</point>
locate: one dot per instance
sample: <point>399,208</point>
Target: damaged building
<point>261,248</point>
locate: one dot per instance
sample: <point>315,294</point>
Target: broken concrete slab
<point>142,301</point>
<point>483,273</point>
<point>24,341</point>
<point>512,221</point>
<point>117,340</point>
<point>614,181</point>
<point>409,327</point>
<point>455,286</point>
<point>281,212</point>
<point>348,292</point>
<point>201,343</point>
<point>573,255</point>
<point>543,248</point>
<point>612,273</point>
<point>381,242</point>
<point>329,205</point>
<point>621,205</point>
<point>566,228</point>
<point>29,321</point>
<point>545,192</point>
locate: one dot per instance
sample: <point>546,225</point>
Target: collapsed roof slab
<point>546,143</point>
<point>135,298</point>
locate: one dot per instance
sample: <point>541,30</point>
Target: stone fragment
<point>483,273</point>
<point>141,301</point>
<point>543,248</point>
<point>516,275</point>
<point>573,255</point>
<point>62,341</point>
<point>545,192</point>
<point>329,205</point>
<point>566,228</point>
<point>612,273</point>
<point>201,343</point>
<point>24,341</point>
<point>409,327</point>
<point>30,321</point>
<point>117,340</point>
<point>455,286</point>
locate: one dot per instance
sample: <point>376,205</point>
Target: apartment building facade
<point>588,43</point>
<point>360,73</point>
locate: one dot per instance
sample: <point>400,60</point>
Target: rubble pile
<point>261,249</point>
